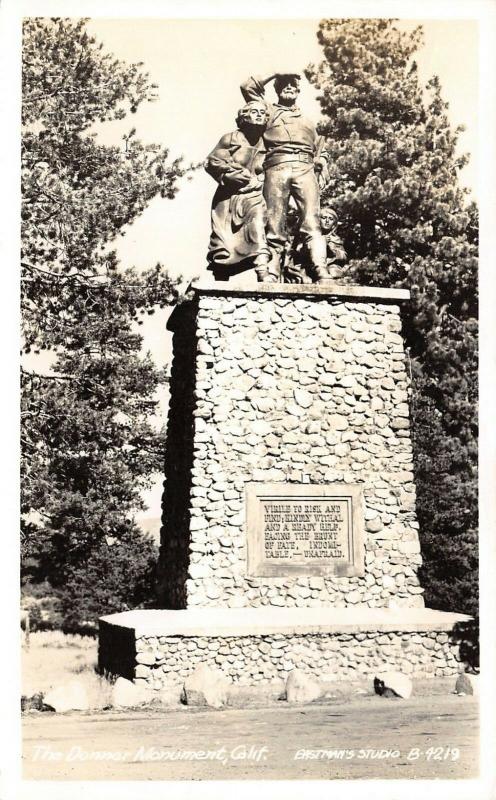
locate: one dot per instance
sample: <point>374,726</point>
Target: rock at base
<point>205,687</point>
<point>467,683</point>
<point>242,696</point>
<point>170,695</point>
<point>70,696</point>
<point>127,694</point>
<point>33,702</point>
<point>301,688</point>
<point>396,683</point>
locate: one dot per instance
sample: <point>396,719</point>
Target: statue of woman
<point>239,213</point>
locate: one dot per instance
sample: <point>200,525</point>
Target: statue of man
<point>292,159</point>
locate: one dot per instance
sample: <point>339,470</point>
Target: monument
<point>290,537</point>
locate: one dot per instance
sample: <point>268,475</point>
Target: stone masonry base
<point>160,648</point>
<point>289,386</point>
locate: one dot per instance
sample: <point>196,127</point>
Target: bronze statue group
<point>274,156</point>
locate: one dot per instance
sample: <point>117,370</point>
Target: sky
<point>198,65</point>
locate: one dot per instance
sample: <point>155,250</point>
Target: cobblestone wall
<point>250,660</point>
<point>293,389</point>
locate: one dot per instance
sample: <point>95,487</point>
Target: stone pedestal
<point>254,646</point>
<point>289,488</point>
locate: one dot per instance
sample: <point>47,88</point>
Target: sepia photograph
<point>248,282</point>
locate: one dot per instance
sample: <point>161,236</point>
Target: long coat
<point>239,213</point>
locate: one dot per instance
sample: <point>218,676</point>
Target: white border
<point>11,12</point>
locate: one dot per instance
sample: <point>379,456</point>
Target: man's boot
<point>274,267</point>
<point>320,275</point>
<point>262,274</point>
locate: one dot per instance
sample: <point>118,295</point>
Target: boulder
<point>301,688</point>
<point>393,683</point>
<point>71,696</point>
<point>206,686</point>
<point>126,694</point>
<point>33,702</point>
<point>467,683</point>
<point>169,695</point>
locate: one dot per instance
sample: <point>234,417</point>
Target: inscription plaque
<point>304,529</point>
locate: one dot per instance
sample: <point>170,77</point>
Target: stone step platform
<point>330,288</point>
<point>259,645</point>
<point>269,620</point>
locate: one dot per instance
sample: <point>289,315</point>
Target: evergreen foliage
<point>89,440</point>
<point>89,444</point>
<point>405,221</point>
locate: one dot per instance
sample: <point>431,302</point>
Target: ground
<point>427,737</point>
<point>53,658</point>
<point>434,734</point>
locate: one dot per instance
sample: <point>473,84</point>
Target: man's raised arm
<point>253,88</point>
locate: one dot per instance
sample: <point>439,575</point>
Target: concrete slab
<point>329,289</point>
<point>266,620</point>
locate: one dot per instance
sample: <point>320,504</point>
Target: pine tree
<point>405,221</point>
<point>89,439</point>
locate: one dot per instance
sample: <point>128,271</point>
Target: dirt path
<point>260,743</point>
